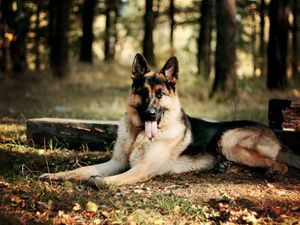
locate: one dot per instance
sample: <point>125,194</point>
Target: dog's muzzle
<point>150,122</point>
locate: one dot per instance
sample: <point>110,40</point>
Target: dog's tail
<point>289,158</point>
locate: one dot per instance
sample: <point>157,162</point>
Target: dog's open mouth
<point>150,129</point>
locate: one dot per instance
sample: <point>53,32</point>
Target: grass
<point>99,92</point>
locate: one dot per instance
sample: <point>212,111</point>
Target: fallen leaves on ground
<point>240,197</point>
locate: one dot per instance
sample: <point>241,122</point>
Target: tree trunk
<point>204,49</point>
<point>15,24</point>
<point>86,53</point>
<point>17,46</point>
<point>277,48</point>
<point>59,13</point>
<point>110,38</point>
<point>149,23</point>
<point>37,36</point>
<point>262,47</point>
<point>172,25</point>
<point>225,74</point>
<point>296,39</point>
<point>253,43</point>
<point>3,14</point>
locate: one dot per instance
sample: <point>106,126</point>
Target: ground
<point>237,196</point>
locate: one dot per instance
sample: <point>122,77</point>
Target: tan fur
<point>252,146</point>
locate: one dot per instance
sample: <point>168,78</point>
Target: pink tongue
<point>150,128</point>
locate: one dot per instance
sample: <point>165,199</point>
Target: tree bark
<point>262,46</point>
<point>253,43</point>
<point>225,74</point>
<point>296,40</point>
<point>14,23</point>
<point>277,47</point>
<point>110,38</point>
<point>276,119</point>
<point>4,11</point>
<point>17,46</point>
<point>37,36</point>
<point>172,25</point>
<point>204,40</point>
<point>86,53</point>
<point>71,133</point>
<point>149,23</point>
<point>59,13</point>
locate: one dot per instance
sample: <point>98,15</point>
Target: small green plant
<point>109,147</point>
<point>54,145</point>
<point>84,148</point>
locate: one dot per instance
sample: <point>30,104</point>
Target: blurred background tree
<point>111,33</point>
<point>278,43</point>
<point>59,24</point>
<point>225,56</point>
<point>296,39</point>
<point>232,35</point>
<point>204,39</point>
<point>88,14</point>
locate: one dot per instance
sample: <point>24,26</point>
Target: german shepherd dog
<point>155,136</point>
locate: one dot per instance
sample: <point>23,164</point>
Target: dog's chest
<point>139,147</point>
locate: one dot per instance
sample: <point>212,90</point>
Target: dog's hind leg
<point>254,147</point>
<point>249,157</point>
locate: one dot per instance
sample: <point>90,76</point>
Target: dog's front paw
<point>97,181</point>
<point>50,176</point>
<point>45,176</point>
<point>58,176</point>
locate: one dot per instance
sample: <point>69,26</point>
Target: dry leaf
<point>91,207</point>
<point>76,207</point>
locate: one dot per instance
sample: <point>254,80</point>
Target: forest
<point>38,35</point>
<point>72,59</point>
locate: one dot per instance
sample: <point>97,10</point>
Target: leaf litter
<point>212,197</point>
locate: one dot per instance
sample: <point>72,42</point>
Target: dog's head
<point>152,92</point>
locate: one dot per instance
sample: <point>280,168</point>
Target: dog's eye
<point>159,94</point>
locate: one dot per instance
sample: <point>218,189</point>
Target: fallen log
<point>289,139</point>
<point>278,119</point>
<point>100,135</point>
<point>71,133</point>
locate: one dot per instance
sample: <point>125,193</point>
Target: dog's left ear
<point>171,70</point>
<point>139,67</point>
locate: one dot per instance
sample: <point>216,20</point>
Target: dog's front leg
<point>118,163</point>
<point>111,167</point>
<point>150,162</point>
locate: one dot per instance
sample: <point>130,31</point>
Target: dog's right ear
<point>139,67</point>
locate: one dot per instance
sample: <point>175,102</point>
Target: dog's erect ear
<point>171,70</point>
<point>139,67</point>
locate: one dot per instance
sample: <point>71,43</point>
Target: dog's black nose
<point>150,114</point>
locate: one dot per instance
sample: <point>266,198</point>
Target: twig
<point>48,169</point>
